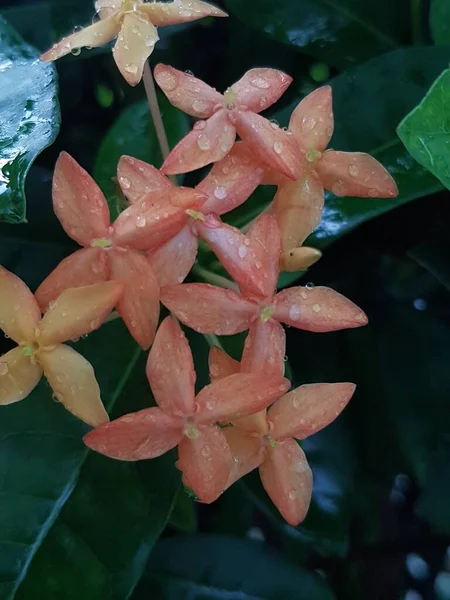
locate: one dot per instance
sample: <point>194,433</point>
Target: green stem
<point>212,340</point>
<point>213,278</point>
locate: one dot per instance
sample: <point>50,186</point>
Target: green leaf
<point>433,503</point>
<point>184,515</point>
<point>440,21</point>
<point>134,134</point>
<point>30,117</point>
<point>435,257</point>
<point>338,32</point>
<point>99,541</point>
<point>426,130</point>
<point>220,567</point>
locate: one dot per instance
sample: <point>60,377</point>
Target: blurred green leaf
<point>426,130</point>
<point>134,134</point>
<point>440,21</point>
<point>220,567</point>
<point>433,503</point>
<point>184,516</point>
<point>435,257</point>
<point>31,119</point>
<point>340,33</point>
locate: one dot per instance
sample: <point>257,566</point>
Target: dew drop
<point>317,308</point>
<point>131,68</point>
<point>203,142</point>
<point>278,147</point>
<point>141,222</point>
<point>373,193</point>
<point>261,83</point>
<point>206,451</point>
<point>243,250</point>
<point>294,312</point>
<point>220,192</point>
<point>199,106</point>
<point>167,81</point>
<point>199,125</point>
<point>338,189</point>
<point>292,495</point>
<point>310,285</point>
<point>353,170</point>
<point>76,51</point>
<point>3,369</point>
<point>125,183</point>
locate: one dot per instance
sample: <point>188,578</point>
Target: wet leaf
<point>426,130</point>
<point>440,21</point>
<point>28,96</point>
<point>338,32</point>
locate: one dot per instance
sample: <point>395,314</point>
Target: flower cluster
<point>246,418</point>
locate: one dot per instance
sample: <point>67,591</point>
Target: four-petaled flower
<point>223,189</point>
<point>113,251</point>
<point>253,261</point>
<point>236,111</point>
<point>75,313</point>
<point>134,23</point>
<point>268,440</point>
<point>184,419</point>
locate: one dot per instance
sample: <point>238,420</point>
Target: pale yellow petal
<point>95,35</point>
<point>18,376</point>
<point>299,259</point>
<point>78,311</point>
<point>106,8</point>
<point>19,311</point>
<point>136,41</point>
<point>179,11</point>
<point>73,382</point>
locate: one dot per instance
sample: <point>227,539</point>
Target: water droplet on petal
<point>278,147</point>
<point>243,250</point>
<point>310,286</point>
<point>203,142</point>
<point>167,81</point>
<point>141,222</point>
<point>353,170</point>
<point>3,369</point>
<point>199,106</point>
<point>317,308</point>
<point>125,183</point>
<point>338,189</point>
<point>292,495</point>
<point>373,193</point>
<point>220,192</point>
<point>199,125</point>
<point>294,312</point>
<point>261,83</point>
<point>131,68</point>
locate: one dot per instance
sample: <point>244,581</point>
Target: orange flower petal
<point>95,35</point>
<point>208,142</point>
<point>287,478</point>
<point>247,263</point>
<point>19,375</point>
<point>355,174</point>
<point>163,13</point>
<point>85,267</point>
<point>270,144</point>
<point>299,259</point>
<point>205,463</point>
<point>106,8</point>
<point>312,122</point>
<point>137,179</point>
<point>139,304</point>
<point>247,452</point>
<point>78,202</point>
<point>265,349</point>
<point>136,41</point>
<point>237,396</point>
<point>137,436</point>
<point>170,370</point>
<point>298,207</point>
<point>221,364</point>
<point>319,309</point>
<point>172,261</point>
<point>73,382</point>
<point>186,92</point>
<point>265,237</point>
<point>231,181</point>
<point>260,88</point>
<point>308,409</point>
<point>78,311</point>
<point>149,223</point>
<point>208,309</point>
<point>19,312</point>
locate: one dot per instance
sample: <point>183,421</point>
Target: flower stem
<point>212,340</point>
<point>152,98</point>
<point>213,278</point>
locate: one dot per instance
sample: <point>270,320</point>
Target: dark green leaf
<point>31,119</point>
<point>426,130</point>
<point>99,539</point>
<point>134,134</point>
<point>338,32</point>
<point>220,567</point>
<point>440,21</point>
<point>184,514</point>
<point>435,257</point>
<point>433,503</point>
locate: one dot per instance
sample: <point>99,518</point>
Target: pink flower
<point>113,251</point>
<point>134,23</point>
<point>225,188</point>
<point>184,419</point>
<point>40,349</point>
<point>253,261</point>
<point>236,111</point>
<point>268,440</point>
<point>298,204</point>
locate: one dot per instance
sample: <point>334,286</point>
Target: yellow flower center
<point>101,243</point>
<point>313,155</point>
<point>266,313</point>
<point>230,98</point>
<point>269,441</point>
<point>195,214</point>
<point>191,431</point>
